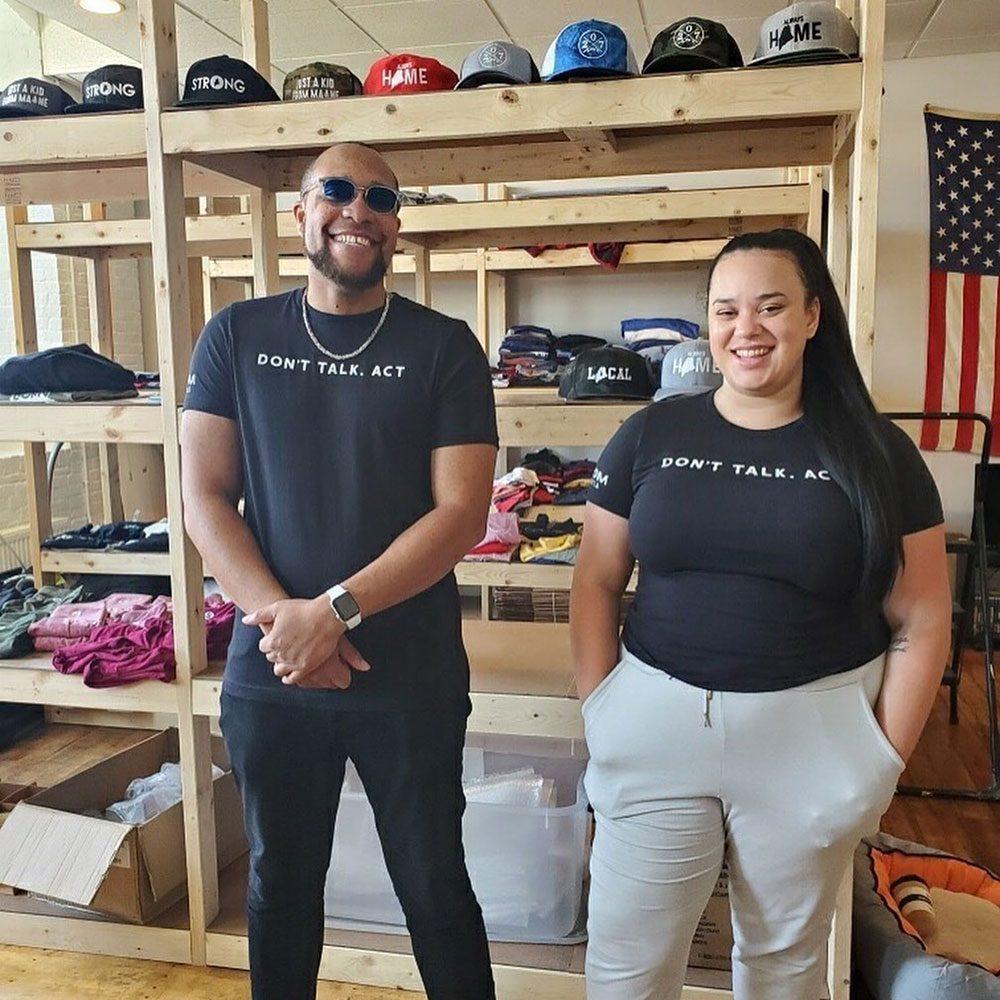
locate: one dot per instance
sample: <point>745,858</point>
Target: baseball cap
<point>497,62</point>
<point>693,43</point>
<point>406,73</point>
<point>30,97</point>
<point>661,327</point>
<point>110,88</point>
<point>813,31</point>
<point>589,49</point>
<point>224,80</point>
<point>606,373</point>
<point>688,368</point>
<point>320,81</point>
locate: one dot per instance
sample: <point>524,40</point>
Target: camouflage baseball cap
<point>320,81</point>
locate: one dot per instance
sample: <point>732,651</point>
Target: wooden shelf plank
<point>106,561</point>
<point>90,140</point>
<point>444,261</point>
<point>579,424</point>
<point>493,574</point>
<point>700,217</point>
<point>123,422</point>
<point>695,100</point>
<point>32,680</point>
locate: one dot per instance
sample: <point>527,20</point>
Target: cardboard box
<point>712,946</point>
<point>48,848</point>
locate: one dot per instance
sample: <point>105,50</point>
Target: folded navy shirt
<point>75,368</point>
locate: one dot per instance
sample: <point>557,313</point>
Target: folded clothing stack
<point>71,623</point>
<point>560,482</point>
<point>19,614</point>
<point>653,338</point>
<point>549,541</point>
<point>16,586</point>
<point>66,374</point>
<point>515,490</point>
<point>121,652</point>
<point>532,355</point>
<point>125,536</point>
<point>503,535</point>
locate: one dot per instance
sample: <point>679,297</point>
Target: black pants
<point>289,765</point>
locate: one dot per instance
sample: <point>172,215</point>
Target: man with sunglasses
<point>359,427</point>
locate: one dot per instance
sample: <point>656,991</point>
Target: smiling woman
<point>770,518</point>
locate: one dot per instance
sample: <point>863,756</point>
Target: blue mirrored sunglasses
<point>342,191</point>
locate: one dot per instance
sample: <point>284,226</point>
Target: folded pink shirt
<point>69,623</point>
<point>122,652</point>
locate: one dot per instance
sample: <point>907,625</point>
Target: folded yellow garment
<point>545,546</point>
<point>578,484</point>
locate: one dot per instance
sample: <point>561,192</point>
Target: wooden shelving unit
<point>816,121</point>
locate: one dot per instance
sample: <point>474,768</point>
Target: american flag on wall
<point>963,342</point>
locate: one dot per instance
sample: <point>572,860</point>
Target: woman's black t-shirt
<point>749,553</point>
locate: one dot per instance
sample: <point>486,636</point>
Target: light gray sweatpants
<point>782,784</point>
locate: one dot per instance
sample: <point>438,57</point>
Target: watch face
<point>346,607</point>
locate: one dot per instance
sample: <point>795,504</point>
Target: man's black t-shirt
<point>749,553</point>
<point>337,464</point>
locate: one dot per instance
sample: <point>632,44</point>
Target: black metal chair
<point>973,591</point>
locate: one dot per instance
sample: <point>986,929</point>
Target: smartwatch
<point>344,606</point>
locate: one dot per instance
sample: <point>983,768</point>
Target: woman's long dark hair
<point>837,407</point>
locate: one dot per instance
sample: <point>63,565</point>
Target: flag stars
<point>941,231</point>
<point>941,206</point>
<point>988,262</point>
<point>940,258</point>
<point>977,249</point>
<point>953,246</point>
<point>988,133</point>
<point>964,182</point>
<point>965,262</point>
<point>953,195</point>
<point>977,145</point>
<point>963,131</point>
<point>965,234</point>
<point>950,142</point>
<point>963,157</point>
<point>977,197</point>
<point>941,178</point>
<point>990,158</point>
<point>976,171</point>
<point>952,168</point>
<point>964,209</point>
<point>937,126</point>
<point>953,220</point>
<point>939,153</point>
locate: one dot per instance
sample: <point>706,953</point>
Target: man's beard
<point>323,261</point>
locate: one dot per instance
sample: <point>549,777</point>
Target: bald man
<point>359,428</point>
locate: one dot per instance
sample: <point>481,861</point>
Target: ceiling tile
<point>197,39</point>
<point>412,24</point>
<point>964,18</point>
<point>211,9</point>
<point>905,21</point>
<point>660,13</point>
<point>896,50</point>
<point>956,46</point>
<point>305,32</point>
<point>529,17</point>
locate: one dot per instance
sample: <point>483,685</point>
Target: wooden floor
<point>947,755</point>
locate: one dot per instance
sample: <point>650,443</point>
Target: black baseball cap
<point>320,81</point>
<point>691,44</point>
<point>224,80</point>
<point>607,373</point>
<point>110,88</point>
<point>30,97</point>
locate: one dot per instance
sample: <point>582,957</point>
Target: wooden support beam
<point>102,341</point>
<point>864,208</point>
<point>604,138</point>
<point>250,169</point>
<point>838,223</point>
<point>814,220</point>
<point>422,273</point>
<point>482,300</point>
<point>26,341</point>
<point>751,147</point>
<point>256,35</point>
<point>157,31</point>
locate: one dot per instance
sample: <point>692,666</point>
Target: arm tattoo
<point>900,643</point>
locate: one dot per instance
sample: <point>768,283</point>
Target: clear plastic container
<point>527,863</point>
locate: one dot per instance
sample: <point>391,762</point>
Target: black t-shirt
<point>337,464</point>
<point>749,553</point>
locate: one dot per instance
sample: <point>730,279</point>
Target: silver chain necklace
<point>353,354</point>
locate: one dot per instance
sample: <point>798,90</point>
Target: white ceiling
<point>356,32</point>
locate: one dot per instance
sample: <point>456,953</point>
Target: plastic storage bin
<point>527,864</point>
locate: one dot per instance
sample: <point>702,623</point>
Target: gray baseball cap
<point>497,62</point>
<point>687,369</point>
<point>812,31</point>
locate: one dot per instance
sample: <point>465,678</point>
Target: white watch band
<point>332,594</point>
